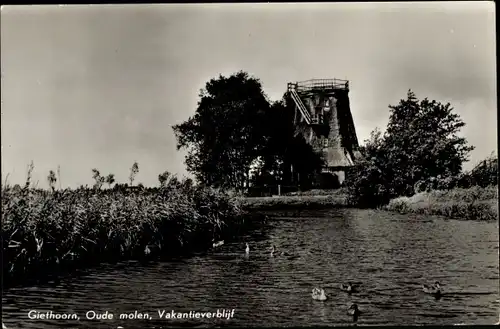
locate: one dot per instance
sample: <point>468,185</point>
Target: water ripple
<point>389,256</point>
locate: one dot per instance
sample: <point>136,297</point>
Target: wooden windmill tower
<point>323,117</point>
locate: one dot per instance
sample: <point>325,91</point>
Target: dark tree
<point>225,134</point>
<point>51,178</point>
<point>420,142</point>
<point>163,178</point>
<point>285,150</point>
<point>110,179</point>
<point>134,170</point>
<point>98,179</point>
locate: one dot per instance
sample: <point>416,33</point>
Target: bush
<point>476,203</point>
<point>483,175</point>
<point>368,187</point>
<point>486,172</point>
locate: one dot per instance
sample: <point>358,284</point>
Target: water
<point>389,255</point>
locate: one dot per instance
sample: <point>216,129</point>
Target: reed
<point>475,203</point>
<point>48,232</point>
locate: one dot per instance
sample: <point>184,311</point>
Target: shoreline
<point>293,202</point>
<point>475,203</point>
<point>47,235</point>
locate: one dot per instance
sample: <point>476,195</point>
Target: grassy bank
<point>474,203</point>
<point>50,232</point>
<point>295,202</point>
<point>340,192</point>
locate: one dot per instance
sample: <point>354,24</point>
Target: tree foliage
<point>110,179</point>
<point>98,179</point>
<point>421,141</point>
<point>369,179</point>
<point>225,136</point>
<point>52,179</point>
<point>285,150</point>
<point>486,172</point>
<point>163,178</point>
<point>134,170</point>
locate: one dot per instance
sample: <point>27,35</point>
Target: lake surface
<point>389,255</point>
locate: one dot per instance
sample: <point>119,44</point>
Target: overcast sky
<point>100,86</point>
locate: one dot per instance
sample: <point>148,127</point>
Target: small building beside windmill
<point>323,118</point>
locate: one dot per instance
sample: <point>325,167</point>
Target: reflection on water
<point>388,255</point>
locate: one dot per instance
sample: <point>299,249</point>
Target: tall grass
<point>45,232</point>
<point>475,203</point>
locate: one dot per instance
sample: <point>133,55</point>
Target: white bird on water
<point>218,244</point>
<point>247,249</point>
<point>318,294</point>
<point>3,326</point>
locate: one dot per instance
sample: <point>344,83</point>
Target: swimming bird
<point>434,289</point>
<point>354,311</point>
<point>147,251</point>
<point>218,244</point>
<point>3,326</point>
<point>247,249</point>
<point>273,249</point>
<point>349,288</point>
<point>318,294</point>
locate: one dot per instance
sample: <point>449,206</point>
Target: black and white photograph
<point>213,165</point>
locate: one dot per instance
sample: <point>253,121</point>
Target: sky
<point>100,86</point>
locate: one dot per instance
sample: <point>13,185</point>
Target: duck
<point>286,254</point>
<point>354,311</point>
<point>218,244</point>
<point>247,249</point>
<point>434,289</point>
<point>318,294</point>
<point>349,288</point>
<point>274,249</point>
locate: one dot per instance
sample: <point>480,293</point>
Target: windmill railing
<point>321,84</point>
